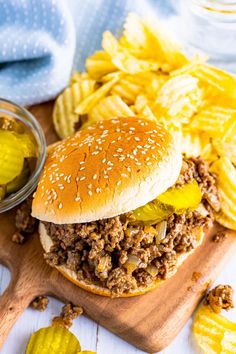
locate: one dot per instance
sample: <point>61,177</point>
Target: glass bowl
<point>12,110</point>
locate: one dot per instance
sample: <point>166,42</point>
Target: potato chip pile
<point>213,332</point>
<point>145,73</point>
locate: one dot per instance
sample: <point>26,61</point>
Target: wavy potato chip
<point>226,182</point>
<point>215,77</point>
<point>109,107</point>
<point>213,332</point>
<point>213,120</point>
<point>127,90</point>
<point>89,102</point>
<point>170,49</point>
<point>53,340</point>
<point>179,97</point>
<point>99,64</point>
<point>142,107</point>
<point>64,115</point>
<point>123,60</point>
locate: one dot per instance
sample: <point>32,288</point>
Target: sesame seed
<point>90,186</point>
<point>90,193</point>
<point>77,199</point>
<point>98,190</point>
<point>136,138</point>
<point>60,206</point>
<point>95,176</point>
<point>82,178</point>
<point>118,183</point>
<point>104,160</point>
<point>82,168</point>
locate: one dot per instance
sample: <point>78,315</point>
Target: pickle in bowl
<point>22,154</point>
<point>18,156</point>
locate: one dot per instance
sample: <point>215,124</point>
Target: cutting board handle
<point>13,302</point>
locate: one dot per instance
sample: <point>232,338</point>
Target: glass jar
<point>209,26</point>
<point>25,118</point>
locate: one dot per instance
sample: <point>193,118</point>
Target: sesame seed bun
<point>107,169</point>
<point>99,290</point>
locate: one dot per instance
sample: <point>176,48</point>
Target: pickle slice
<point>11,157</point>
<point>152,213</point>
<point>20,180</point>
<point>53,340</point>
<point>182,199</point>
<point>176,200</point>
<point>28,145</point>
<point>2,192</point>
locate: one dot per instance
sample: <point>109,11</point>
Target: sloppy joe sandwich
<point>120,208</point>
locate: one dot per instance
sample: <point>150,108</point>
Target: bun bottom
<point>99,290</point>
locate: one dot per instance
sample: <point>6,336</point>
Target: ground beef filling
<point>117,254</point>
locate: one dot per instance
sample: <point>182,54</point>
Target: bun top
<point>107,169</point>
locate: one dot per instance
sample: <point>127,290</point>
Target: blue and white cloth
<point>41,41</point>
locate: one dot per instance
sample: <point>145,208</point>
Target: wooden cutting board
<point>150,322</point>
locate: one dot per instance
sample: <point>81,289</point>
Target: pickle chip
<point>2,193</point>
<point>184,198</point>
<point>11,157</point>
<point>53,340</point>
<point>28,145</point>
<point>152,213</point>
<point>175,200</point>
<point>20,180</point>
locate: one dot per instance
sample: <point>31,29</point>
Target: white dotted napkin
<point>38,41</point>
<point>37,44</point>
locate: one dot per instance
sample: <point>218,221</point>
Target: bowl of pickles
<point>22,154</point>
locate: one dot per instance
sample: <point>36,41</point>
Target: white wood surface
<point>92,336</point>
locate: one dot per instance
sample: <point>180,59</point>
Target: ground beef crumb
<point>18,238</point>
<point>69,313</point>
<point>219,236</point>
<point>24,221</point>
<point>40,303</point>
<point>221,297</point>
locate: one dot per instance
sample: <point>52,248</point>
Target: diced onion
<point>161,231</point>
<point>132,263</point>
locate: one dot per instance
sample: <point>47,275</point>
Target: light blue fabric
<point>37,40</point>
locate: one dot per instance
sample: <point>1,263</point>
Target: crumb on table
<point>221,297</point>
<point>68,314</point>
<point>219,236</point>
<point>40,303</point>
<point>17,237</point>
